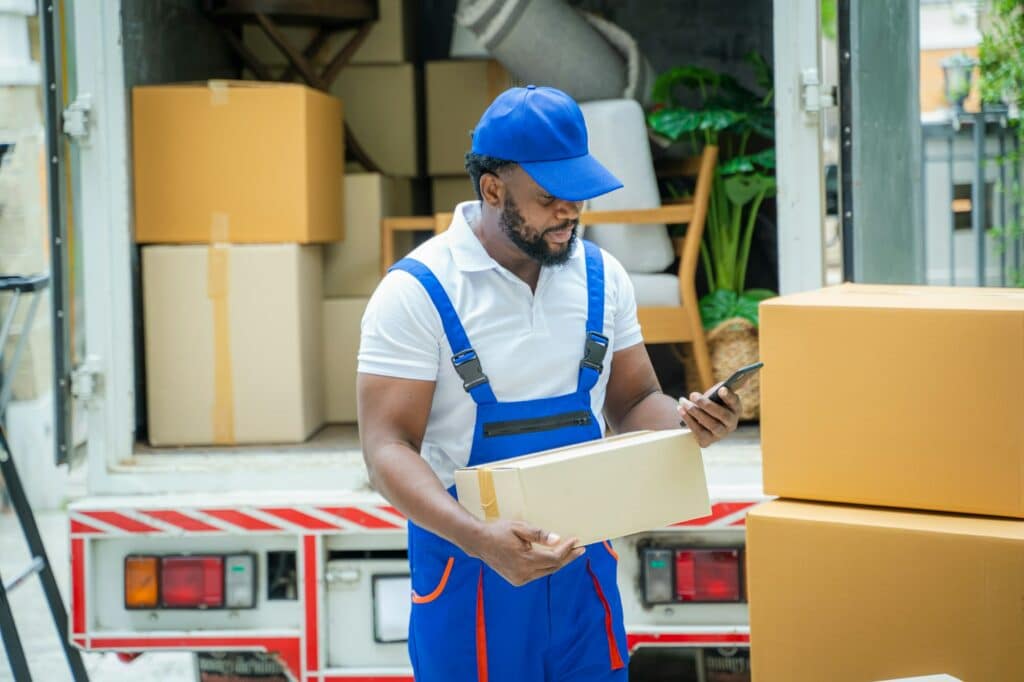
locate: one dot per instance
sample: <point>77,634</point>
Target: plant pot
<point>731,344</point>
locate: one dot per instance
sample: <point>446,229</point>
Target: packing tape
<point>488,498</point>
<point>218,92</point>
<point>223,415</point>
<point>220,228</point>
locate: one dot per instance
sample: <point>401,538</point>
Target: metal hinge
<point>87,380</point>
<point>811,96</point>
<point>76,117</point>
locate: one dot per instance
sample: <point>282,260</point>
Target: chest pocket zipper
<point>520,426</point>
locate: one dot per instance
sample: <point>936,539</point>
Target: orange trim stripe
<point>481,632</point>
<point>613,647</point>
<point>417,599</point>
<point>608,546</point>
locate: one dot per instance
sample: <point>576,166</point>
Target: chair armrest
<point>392,225</point>
<point>668,214</point>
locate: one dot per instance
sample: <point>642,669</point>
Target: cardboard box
<point>848,594</point>
<point>594,491</point>
<point>352,267</point>
<point>446,193</point>
<point>233,343</point>
<point>390,41</point>
<point>895,396</point>
<point>237,161</point>
<point>458,93</point>
<point>382,110</point>
<point>342,319</point>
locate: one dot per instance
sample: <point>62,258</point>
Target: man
<point>505,336</point>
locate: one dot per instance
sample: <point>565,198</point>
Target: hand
<point>520,553</point>
<point>709,421</point>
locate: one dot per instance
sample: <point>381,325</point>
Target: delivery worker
<point>503,336</point>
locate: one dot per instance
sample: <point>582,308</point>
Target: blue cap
<point>542,129</point>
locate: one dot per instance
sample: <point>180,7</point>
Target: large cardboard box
<point>458,93</point>
<point>849,594</point>
<point>447,193</point>
<point>353,267</point>
<point>233,343</point>
<point>237,161</point>
<point>594,491</point>
<point>390,40</point>
<point>382,110</point>
<point>895,396</point>
<point>342,319</point>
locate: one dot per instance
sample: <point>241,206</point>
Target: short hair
<point>479,164</point>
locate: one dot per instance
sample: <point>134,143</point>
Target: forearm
<point>655,412</point>
<point>400,475</point>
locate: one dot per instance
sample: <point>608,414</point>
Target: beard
<point>514,226</point>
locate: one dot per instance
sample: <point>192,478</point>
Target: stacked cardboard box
<point>379,87</point>
<point>236,184</point>
<point>891,414</point>
<point>458,92</point>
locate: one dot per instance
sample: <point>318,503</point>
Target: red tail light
<point>708,575</point>
<point>192,582</point>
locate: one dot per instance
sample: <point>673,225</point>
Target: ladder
<point>40,565</point>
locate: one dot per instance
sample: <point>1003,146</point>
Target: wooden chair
<point>660,324</point>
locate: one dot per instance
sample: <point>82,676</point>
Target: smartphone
<point>738,379</point>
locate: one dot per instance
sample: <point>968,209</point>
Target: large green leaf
<point>759,294</point>
<point>741,189</point>
<point>748,164</point>
<point>717,307</point>
<point>714,86</point>
<point>675,122</point>
<point>747,309</point>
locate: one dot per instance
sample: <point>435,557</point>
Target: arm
<point>392,420</point>
<point>634,401</point>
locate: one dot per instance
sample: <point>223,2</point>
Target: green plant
<point>728,115</point>
<point>1001,57</point>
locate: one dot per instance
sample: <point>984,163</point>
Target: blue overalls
<point>469,624</point>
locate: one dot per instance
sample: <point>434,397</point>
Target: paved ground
<point>38,635</point>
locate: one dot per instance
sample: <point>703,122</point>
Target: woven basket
<point>731,345</point>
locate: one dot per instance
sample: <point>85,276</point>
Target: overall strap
<point>464,358</point>
<point>596,345</point>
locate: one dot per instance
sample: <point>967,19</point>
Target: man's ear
<point>492,190</point>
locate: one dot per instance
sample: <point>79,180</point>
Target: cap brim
<point>575,179</point>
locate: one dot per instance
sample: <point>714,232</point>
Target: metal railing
<point>983,150</point>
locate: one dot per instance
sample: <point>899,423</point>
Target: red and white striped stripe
<point>235,520</point>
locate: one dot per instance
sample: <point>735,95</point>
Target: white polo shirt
<point>529,343</point>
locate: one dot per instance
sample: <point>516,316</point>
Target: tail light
<point>190,582</point>
<point>708,575</point>
<point>692,575</point>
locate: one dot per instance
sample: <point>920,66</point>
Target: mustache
<point>562,226</point>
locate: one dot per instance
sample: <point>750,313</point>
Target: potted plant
<point>710,108</point>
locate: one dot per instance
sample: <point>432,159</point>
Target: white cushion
<point>656,289</point>
<point>618,139</point>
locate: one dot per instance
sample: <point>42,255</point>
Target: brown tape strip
<point>488,498</point>
<point>218,92</point>
<point>223,415</point>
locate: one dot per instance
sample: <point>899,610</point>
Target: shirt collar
<point>467,251</point>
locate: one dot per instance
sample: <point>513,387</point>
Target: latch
<point>87,380</point>
<point>811,95</point>
<point>76,117</point>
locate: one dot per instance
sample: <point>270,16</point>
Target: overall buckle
<point>594,351</point>
<point>467,364</point>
